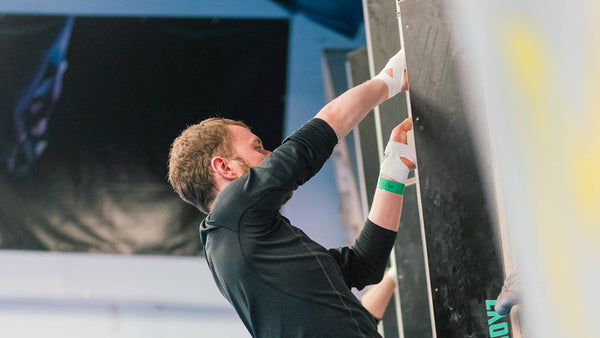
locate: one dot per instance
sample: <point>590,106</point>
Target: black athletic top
<point>282,283</point>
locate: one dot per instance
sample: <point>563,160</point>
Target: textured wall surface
<point>408,251</point>
<point>464,260</point>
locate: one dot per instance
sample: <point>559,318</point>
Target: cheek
<point>260,158</point>
<point>253,160</point>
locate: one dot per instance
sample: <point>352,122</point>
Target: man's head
<point>209,155</point>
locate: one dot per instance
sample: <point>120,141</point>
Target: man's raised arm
<point>347,110</point>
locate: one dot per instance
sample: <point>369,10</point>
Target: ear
<point>221,166</point>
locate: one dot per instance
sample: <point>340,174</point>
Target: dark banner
<point>89,107</point>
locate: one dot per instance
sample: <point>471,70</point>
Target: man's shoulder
<point>214,222</point>
<point>232,200</point>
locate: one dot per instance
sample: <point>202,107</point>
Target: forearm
<point>347,110</point>
<point>386,208</point>
<point>376,299</point>
<point>398,160</point>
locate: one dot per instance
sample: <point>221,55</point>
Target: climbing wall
<point>407,314</point>
<point>448,255</point>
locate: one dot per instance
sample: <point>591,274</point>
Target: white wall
<point>98,295</point>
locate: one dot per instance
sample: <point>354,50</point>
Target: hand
<point>394,74</point>
<point>399,134</point>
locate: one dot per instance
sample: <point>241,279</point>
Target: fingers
<point>408,163</point>
<point>398,160</point>
<point>406,125</point>
<point>399,133</point>
<point>394,74</point>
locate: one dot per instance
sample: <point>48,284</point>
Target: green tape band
<point>391,186</point>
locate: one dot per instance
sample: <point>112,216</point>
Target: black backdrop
<point>131,86</point>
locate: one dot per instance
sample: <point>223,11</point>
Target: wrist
<point>390,185</point>
<point>393,165</point>
<point>394,74</point>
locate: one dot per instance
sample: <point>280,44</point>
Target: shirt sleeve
<point>260,193</point>
<point>364,262</point>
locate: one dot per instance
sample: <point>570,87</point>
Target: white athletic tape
<point>392,166</point>
<point>393,73</point>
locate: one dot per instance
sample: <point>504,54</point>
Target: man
<point>281,283</point>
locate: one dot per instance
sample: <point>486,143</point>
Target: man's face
<point>248,147</point>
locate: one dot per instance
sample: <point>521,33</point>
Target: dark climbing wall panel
<point>359,73</point>
<point>412,283</point>
<point>408,251</point>
<point>463,258</point>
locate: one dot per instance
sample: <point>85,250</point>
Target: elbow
<point>371,275</point>
<point>330,115</point>
<point>376,276</point>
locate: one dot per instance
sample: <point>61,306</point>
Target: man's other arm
<point>365,262</point>
<point>386,208</point>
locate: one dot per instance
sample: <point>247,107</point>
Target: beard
<point>245,167</point>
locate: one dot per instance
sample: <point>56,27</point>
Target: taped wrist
<point>393,73</point>
<point>392,166</point>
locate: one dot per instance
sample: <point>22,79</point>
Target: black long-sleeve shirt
<point>282,283</point>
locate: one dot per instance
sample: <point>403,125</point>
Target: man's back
<point>281,283</point>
